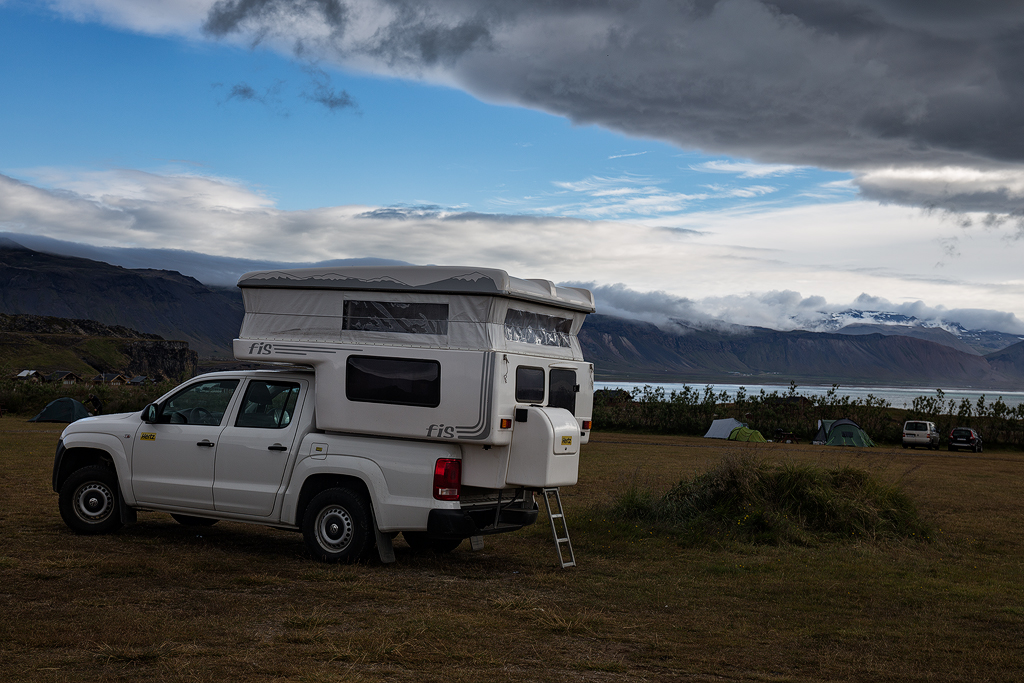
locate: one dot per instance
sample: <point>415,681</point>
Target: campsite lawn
<point>161,602</point>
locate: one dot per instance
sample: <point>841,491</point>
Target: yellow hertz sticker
<point>147,436</point>
<point>566,440</point>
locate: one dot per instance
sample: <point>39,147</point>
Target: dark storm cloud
<point>840,84</point>
<point>323,92</point>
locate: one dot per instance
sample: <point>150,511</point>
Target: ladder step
<point>553,499</point>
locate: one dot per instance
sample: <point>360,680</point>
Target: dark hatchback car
<point>963,437</point>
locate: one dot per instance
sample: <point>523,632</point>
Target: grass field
<point>162,602</point>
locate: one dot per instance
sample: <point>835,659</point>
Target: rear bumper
<point>478,521</point>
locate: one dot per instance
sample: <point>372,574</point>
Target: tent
<point>841,433</point>
<point>743,433</point>
<point>721,429</point>
<point>61,410</point>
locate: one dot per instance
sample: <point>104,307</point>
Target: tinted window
<point>529,384</point>
<point>202,403</point>
<point>403,381</point>
<point>269,405</point>
<point>563,390</point>
<point>917,427</point>
<point>526,327</point>
<point>397,317</point>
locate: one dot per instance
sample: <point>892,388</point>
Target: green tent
<point>842,433</point>
<point>746,434</point>
<point>61,410</point>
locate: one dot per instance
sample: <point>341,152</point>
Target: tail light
<point>587,424</point>
<point>447,479</point>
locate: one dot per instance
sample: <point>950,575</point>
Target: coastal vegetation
<point>690,411</point>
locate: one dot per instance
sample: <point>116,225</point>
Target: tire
<point>336,526</point>
<point>419,541</point>
<point>88,501</point>
<point>189,520</point>
<point>950,448</point>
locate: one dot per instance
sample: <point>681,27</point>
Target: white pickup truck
<point>382,428</point>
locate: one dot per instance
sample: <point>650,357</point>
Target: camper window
<point>529,384</point>
<point>397,317</point>
<point>527,327</point>
<point>563,390</point>
<point>401,381</point>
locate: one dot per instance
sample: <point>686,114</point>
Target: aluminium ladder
<point>553,499</point>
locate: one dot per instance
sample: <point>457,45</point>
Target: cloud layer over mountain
<point>922,101</point>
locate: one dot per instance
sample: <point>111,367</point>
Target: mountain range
<point>872,350</point>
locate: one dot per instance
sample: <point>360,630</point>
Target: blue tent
<point>61,410</point>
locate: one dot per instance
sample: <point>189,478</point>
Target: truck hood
<point>99,422</point>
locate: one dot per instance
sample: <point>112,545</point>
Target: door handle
<point>206,442</point>
<point>277,447</point>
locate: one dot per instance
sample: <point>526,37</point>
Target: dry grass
<point>162,602</point>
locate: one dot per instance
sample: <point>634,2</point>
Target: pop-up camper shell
<point>463,355</point>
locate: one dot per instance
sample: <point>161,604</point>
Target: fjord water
<point>898,397</point>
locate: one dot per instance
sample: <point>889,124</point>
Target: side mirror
<point>151,413</point>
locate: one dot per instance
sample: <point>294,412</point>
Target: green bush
<point>748,500</point>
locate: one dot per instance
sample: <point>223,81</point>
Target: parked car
<point>964,437</point>
<point>918,433</point>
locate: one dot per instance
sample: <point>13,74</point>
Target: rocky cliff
<point>159,302</point>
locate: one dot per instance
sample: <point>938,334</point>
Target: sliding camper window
<point>562,393</point>
<point>398,381</point>
<point>529,384</point>
<point>396,317</point>
<point>527,327</point>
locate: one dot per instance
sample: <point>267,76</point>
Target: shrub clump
<point>749,500</point>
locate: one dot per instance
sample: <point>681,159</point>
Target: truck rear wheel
<point>336,526</point>
<point>88,501</point>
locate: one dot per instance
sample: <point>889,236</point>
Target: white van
<point>920,433</point>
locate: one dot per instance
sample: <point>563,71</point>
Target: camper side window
<point>526,327</point>
<point>396,317</point>
<point>400,381</point>
<point>563,390</point>
<point>529,384</point>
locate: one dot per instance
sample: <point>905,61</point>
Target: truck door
<point>173,460</point>
<point>257,446</point>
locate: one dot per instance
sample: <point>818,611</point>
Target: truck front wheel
<point>88,501</point>
<point>336,526</point>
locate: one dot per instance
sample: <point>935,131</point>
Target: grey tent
<point>721,429</point>
<point>61,410</point>
<point>842,433</point>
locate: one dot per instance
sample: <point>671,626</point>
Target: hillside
<point>629,350</point>
<point>159,302</point>
<point>88,348</point>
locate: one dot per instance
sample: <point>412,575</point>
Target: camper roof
<point>425,279</point>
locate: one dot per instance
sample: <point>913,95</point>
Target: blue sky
<point>279,135</point>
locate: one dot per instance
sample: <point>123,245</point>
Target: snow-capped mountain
<point>852,321</point>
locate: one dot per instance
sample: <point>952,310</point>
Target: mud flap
<point>384,546</point>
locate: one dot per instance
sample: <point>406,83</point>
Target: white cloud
<point>745,169</point>
<point>832,250</point>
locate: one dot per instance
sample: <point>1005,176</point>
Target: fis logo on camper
<point>442,431</point>
<point>261,349</point>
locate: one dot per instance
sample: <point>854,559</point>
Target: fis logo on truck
<point>442,431</point>
<point>566,440</point>
<point>261,349</point>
